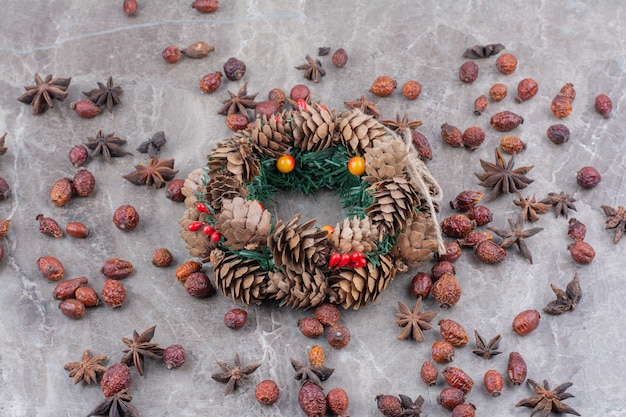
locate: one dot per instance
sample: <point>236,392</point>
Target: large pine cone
<point>314,129</point>
<point>223,187</point>
<point>236,157</point>
<point>354,235</point>
<point>244,224</point>
<point>239,278</point>
<point>198,244</point>
<point>358,130</point>
<point>355,287</point>
<point>416,243</point>
<point>193,187</point>
<point>269,135</point>
<point>385,159</point>
<point>298,290</point>
<point>395,203</point>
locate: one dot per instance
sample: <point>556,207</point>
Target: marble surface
<point>556,42</point>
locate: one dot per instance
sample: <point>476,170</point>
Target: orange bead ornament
<point>356,165</point>
<point>285,164</point>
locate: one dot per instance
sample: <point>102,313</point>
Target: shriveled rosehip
<point>442,351</point>
<point>389,405</point>
<point>48,226</point>
<point>498,92</point>
<point>581,252</point>
<point>429,373</point>
<point>558,133</point>
<point>603,105</point>
<point>234,69</point>
<point>468,72</point>
<point>464,410</point>
<point>198,50</point>
<point>340,58</point>
<point>267,392</point>
<point>186,269</point>
<point>516,368</point>
<point>474,238</point>
<point>316,356</point>
<point>174,356</point>
<point>506,121</point>
<point>79,155</point>
<point>453,332</point>
<point>72,308</point>
<point>5,190</point>
<point>199,285</point>
<point>493,382</point>
<point>85,109</point>
<point>451,135</point>
<point>457,378</point>
<point>490,252</point>
<point>383,86</point>
<point>130,7</point>
<point>440,268</point>
<point>453,252</point>
<point>300,92</point>
<point>457,225</point>
<point>561,107</point>
<point>327,314</point>
<point>236,121</point>
<point>512,144</point>
<point>174,190</point>
<point>588,177</point>
<point>421,284</point>
<point>277,95</point>
<point>411,89</point>
<point>113,293</point>
<point>171,54</point>
<point>162,257</point>
<point>338,336</point>
<point>235,318</point>
<point>576,229</point>
<point>568,91</point>
<point>87,295</point>
<point>77,230</point>
<point>310,327</point>
<point>446,291</point>
<point>480,214</point>
<point>205,6</point>
<point>312,399</point>
<point>337,399</point>
<point>61,192</point>
<point>266,108</point>
<point>480,105</point>
<point>5,226</point>
<point>210,82</point>
<point>51,268</point>
<point>473,137</point>
<point>526,321</point>
<point>115,268</point>
<point>449,398</point>
<point>84,183</point>
<point>506,64</point>
<point>115,379</point>
<point>466,200</point>
<point>526,89</point>
<point>66,289</point>
<point>421,144</point>
<point>126,218</point>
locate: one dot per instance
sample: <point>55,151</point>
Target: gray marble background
<point>555,41</point>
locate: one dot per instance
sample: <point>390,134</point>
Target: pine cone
<point>354,235</point>
<point>239,278</point>
<point>298,290</point>
<point>269,136</point>
<point>395,202</point>
<point>236,157</point>
<point>353,288</point>
<point>314,129</point>
<point>243,223</point>
<point>198,244</point>
<point>223,187</point>
<point>358,130</point>
<point>192,187</point>
<point>416,243</point>
<point>385,159</point>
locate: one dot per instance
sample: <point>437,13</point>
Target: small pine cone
<point>270,136</point>
<point>115,379</point>
<point>223,187</point>
<point>316,356</point>
<point>358,130</point>
<point>416,243</point>
<point>429,373</point>
<point>354,235</point>
<point>244,224</point>
<point>236,157</point>
<point>298,290</point>
<point>395,202</point>
<point>384,160</point>
<point>239,278</point>
<point>174,356</point>
<point>446,290</point>
<point>453,332</point>
<point>315,129</point>
<point>312,400</point>
<point>299,246</point>
<point>192,186</point>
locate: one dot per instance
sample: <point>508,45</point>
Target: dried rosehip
<point>84,182</point>
<point>312,400</point>
<point>338,336</point>
<point>113,293</point>
<point>126,218</point>
<point>411,89</point>
<point>446,291</point>
<point>498,92</point>
<point>267,392</point>
<point>72,308</point>
<point>480,105</point>
<point>340,58</point>
<point>85,109</point>
<point>327,314</point>
<point>383,86</point>
<point>588,177</point>
<point>421,284</point>
<point>466,200</point>
<point>79,155</point>
<point>468,72</point>
<point>174,190</point>
<point>490,252</point>
<point>440,268</point>
<point>49,226</point>
<point>451,135</point>
<point>576,229</point>
<point>512,144</point>
<point>474,238</point>
<point>337,400</point>
<point>66,289</point>
<point>506,121</point>
<point>389,405</point>
<point>61,192</point>
<point>5,190</point>
<point>449,398</point>
<point>453,332</point>
<point>316,356</point>
<point>493,382</point>
<point>526,321</point>
<point>198,50</point>
<point>277,95</point>
<point>568,91</point>
<point>526,89</point>
<point>115,268</point>
<point>558,134</point>
<point>205,6</point>
<point>130,7</point>
<point>473,137</point>
<point>506,64</point>
<point>442,351</point>
<point>300,92</point>
<point>162,257</point>
<point>115,379</point>
<point>453,252</point>
<point>429,373</point>
<point>186,269</point>
<point>603,105</point>
<point>77,230</point>
<point>457,378</point>
<point>421,144</point>
<point>561,107</point>
<point>174,356</point>
<point>237,121</point>
<point>234,69</point>
<point>266,108</point>
<point>51,268</point>
<point>310,327</point>
<point>199,285</point>
<point>581,252</point>
<point>516,368</point>
<point>464,410</point>
<point>457,225</point>
<point>87,295</point>
<point>480,214</point>
<point>235,318</point>
<point>211,82</point>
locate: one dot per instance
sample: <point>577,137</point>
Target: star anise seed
<point>562,203</point>
<point>615,219</point>
<point>41,94</point>
<point>312,69</point>
<point>116,406</point>
<point>315,374</point>
<point>516,236</point>
<point>153,145</point>
<point>238,103</point>
<point>546,400</point>
<point>105,94</point>
<point>501,177</point>
<point>365,106</point>
<point>88,369</point>
<point>401,123</point>
<point>411,408</point>
<point>531,208</point>
<point>156,174</point>
<point>413,322</point>
<point>140,347</point>
<point>232,375</point>
<point>486,349</point>
<point>106,146</point>
<point>565,300</point>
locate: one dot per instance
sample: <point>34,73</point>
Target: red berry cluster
<point>207,228</point>
<point>351,260</point>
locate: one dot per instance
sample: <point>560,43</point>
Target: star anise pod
<point>106,94</point>
<point>562,203</point>
<point>116,406</point>
<point>312,69</point>
<point>565,300</point>
<point>401,123</point>
<point>139,347</point>
<point>615,219</point>
<point>531,208</point>
<point>88,369</point>
<point>41,94</point>
<point>411,408</point>
<point>546,400</point>
<point>413,322</point>
<point>486,349</point>
<point>232,375</point>
<point>480,51</point>
<point>501,176</point>
<point>106,146</point>
<point>238,103</point>
<point>365,106</point>
<point>153,145</point>
<point>315,374</point>
<point>516,236</point>
<point>156,174</point>
<point>3,149</point>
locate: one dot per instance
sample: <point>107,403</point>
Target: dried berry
<point>561,107</point>
<point>446,291</point>
<point>266,108</point>
<point>340,58</point>
<point>130,7</point>
<point>51,268</point>
<point>493,382</point>
<point>440,268</point>
<point>126,218</point>
<point>87,295</point>
<point>115,379</point>
<point>490,252</point>
<point>327,314</point>
<point>468,72</point>
<point>174,190</point>
<point>85,109</point>
<point>421,284</point>
<point>411,89</point>
<point>84,182</point>
<point>457,225</point>
<point>512,144</point>
<point>506,121</point>
<point>211,82</point>
<point>66,289</point>
<point>72,308</point>
<point>449,398</point>
<point>389,405</point>
<point>338,336</point>
<point>466,200</point>
<point>162,257</point>
<point>442,351</point>
<point>480,105</point>
<point>61,192</point>
<point>457,378</point>
<point>337,400</point>
<point>421,144</point>
<point>199,285</point>
<point>186,269</point>
<point>526,321</point>
<point>174,356</point>
<point>581,252</point>
<point>205,6</point>
<point>48,226</point>
<point>451,135</point>
<point>234,69</point>
<point>300,92</point>
<point>516,368</point>
<point>474,238</point>
<point>506,64</point>
<point>473,137</point>
<point>588,177</point>
<point>277,95</point>
<point>383,86</point>
<point>77,230</point>
<point>480,214</point>
<point>453,332</point>
<point>498,92</point>
<point>526,89</point>
<point>113,293</point>
<point>603,105</point>
<point>5,226</point>
<point>429,373</point>
<point>316,356</point>
<point>576,229</point>
<point>267,392</point>
<point>236,121</point>
<point>310,327</point>
<point>312,400</point>
<point>115,268</point>
<point>79,155</point>
<point>5,190</point>
<point>464,410</point>
<point>235,318</point>
<point>453,252</point>
<point>558,134</point>
<point>198,50</point>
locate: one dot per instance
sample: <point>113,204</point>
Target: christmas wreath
<point>387,193</point>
